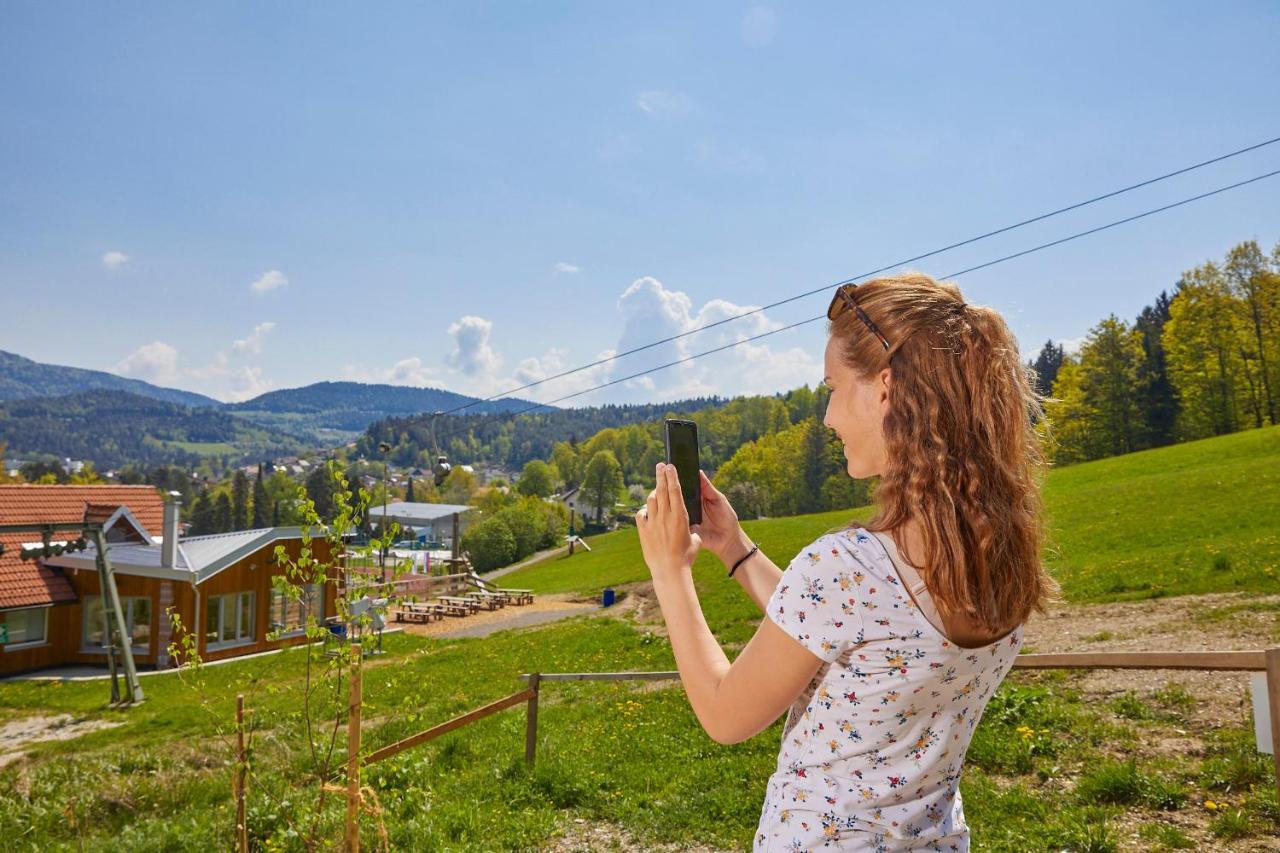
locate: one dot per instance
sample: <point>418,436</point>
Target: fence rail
<point>1267,661</point>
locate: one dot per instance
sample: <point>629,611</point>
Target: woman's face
<point>856,412</point>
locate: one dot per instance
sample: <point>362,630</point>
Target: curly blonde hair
<point>963,456</point>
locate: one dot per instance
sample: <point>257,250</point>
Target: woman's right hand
<point>719,530</point>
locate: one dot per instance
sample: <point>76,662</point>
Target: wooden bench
<point>513,596</point>
<point>467,606</point>
<point>486,599</point>
<point>413,611</point>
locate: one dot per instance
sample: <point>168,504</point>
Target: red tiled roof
<point>26,583</point>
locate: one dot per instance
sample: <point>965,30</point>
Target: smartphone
<point>682,452</point>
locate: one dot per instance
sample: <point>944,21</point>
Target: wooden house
<point>219,585</point>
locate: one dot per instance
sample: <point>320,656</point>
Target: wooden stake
<point>241,784</point>
<point>531,724</point>
<point>353,755</point>
<point>1273,703</point>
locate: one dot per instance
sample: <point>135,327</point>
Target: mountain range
<point>68,412</point>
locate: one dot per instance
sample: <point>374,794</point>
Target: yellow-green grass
<point>1192,518</point>
<point>633,756</point>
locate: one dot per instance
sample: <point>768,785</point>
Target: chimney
<point>169,542</point>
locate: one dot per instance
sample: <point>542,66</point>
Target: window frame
<point>235,617</point>
<point>29,644</point>
<point>312,592</point>
<point>127,603</point>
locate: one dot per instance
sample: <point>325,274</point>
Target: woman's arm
<point>721,534</point>
<point>733,702</point>
<point>758,576</point>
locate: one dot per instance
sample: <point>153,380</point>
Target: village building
<point>52,611</point>
<point>442,523</point>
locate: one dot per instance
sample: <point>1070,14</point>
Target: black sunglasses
<point>844,299</point>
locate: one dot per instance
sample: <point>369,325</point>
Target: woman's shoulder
<point>851,547</point>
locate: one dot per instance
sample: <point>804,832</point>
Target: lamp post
<point>384,449</point>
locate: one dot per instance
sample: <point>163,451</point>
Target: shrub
<point>490,543</point>
<point>526,526</point>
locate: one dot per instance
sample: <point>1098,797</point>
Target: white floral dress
<point>872,749</point>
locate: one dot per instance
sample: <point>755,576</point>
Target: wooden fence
<point>1267,661</point>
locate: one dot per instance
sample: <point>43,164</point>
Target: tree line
<point>1201,362</point>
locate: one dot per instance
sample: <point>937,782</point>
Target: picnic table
<point>414,611</point>
<point>514,596</point>
<point>455,603</point>
<point>490,600</point>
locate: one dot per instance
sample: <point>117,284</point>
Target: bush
<point>525,523</point>
<point>490,543</point>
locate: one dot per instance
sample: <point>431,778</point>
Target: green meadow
<point>1047,770</point>
<point>1188,519</point>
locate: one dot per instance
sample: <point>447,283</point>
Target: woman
<point>884,640</point>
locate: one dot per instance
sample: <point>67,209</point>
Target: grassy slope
<point>637,757</point>
<point>1193,518</point>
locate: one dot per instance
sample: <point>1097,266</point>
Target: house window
<point>137,618</point>
<point>291,616</point>
<point>27,627</point>
<point>229,620</point>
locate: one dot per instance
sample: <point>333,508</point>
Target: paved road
<point>541,555</point>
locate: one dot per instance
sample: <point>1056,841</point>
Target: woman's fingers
<point>708,488</point>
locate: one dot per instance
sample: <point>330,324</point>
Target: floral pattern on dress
<point>871,752</point>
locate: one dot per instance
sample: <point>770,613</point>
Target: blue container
<point>607,599</point>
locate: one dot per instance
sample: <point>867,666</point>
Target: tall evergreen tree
<point>320,489</point>
<point>202,520</point>
<point>409,496</point>
<point>239,501</point>
<point>1157,398</point>
<point>815,466</point>
<point>1047,365</point>
<point>261,503</point>
<point>223,517</point>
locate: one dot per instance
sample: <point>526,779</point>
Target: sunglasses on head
<point>844,300</point>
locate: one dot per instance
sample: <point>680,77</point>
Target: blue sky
<point>236,197</point>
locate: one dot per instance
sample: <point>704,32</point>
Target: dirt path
<point>16,734</point>
<point>545,608</point>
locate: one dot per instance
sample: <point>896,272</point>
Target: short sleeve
<point>816,601</point>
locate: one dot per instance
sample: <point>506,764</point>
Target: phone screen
<point>682,452</point>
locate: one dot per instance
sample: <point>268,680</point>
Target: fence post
<point>353,754</point>
<point>1273,703</point>
<point>531,724</point>
<point>242,770</point>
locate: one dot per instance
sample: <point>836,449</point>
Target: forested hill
<point>21,378</point>
<point>115,428</point>
<point>352,406</point>
<point>512,440</point>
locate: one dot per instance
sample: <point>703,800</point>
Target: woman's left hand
<point>668,546</point>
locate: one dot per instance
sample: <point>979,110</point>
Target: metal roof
<point>417,513</point>
<point>199,557</point>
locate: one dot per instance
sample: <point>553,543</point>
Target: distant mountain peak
<point>23,379</point>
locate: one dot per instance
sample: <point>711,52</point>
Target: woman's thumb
<point>708,485</point>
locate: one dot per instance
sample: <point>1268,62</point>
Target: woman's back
<point>872,750</point>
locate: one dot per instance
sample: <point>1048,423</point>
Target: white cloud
<point>564,266</point>
<point>472,354</point>
<point>536,369</point>
<point>409,371</point>
<point>252,345</point>
<point>1072,346</point>
<point>651,313</point>
<point>655,102</point>
<point>268,281</point>
<point>245,383</point>
<point>759,25</point>
<point>114,260</point>
<point>153,362</point>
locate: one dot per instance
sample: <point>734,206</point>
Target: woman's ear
<point>886,378</point>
